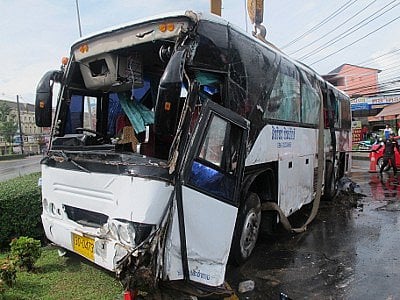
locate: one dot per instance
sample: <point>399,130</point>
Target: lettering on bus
<point>199,274</point>
<point>283,135</point>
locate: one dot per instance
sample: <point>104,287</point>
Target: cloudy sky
<point>324,34</point>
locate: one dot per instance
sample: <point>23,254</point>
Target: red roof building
<point>356,81</point>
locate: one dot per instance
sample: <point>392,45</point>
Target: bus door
<point>207,198</point>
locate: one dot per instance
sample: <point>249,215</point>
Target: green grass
<point>64,278</point>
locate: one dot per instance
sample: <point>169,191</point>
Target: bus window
<point>213,145</point>
<point>284,101</point>
<point>214,168</point>
<point>81,113</point>
<point>345,113</point>
<point>310,102</point>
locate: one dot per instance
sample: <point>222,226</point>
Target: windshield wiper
<point>69,159</point>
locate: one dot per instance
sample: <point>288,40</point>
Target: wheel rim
<point>250,231</point>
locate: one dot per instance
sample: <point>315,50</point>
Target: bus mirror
<point>168,99</point>
<point>44,96</point>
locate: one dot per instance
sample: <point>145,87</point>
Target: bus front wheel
<point>246,229</point>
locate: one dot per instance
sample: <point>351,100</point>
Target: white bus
<point>170,134</point>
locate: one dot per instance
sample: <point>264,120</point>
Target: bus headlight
<point>129,233</point>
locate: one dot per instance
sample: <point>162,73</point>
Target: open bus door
<point>207,198</point>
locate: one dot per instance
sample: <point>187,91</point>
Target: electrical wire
<point>356,41</point>
<point>324,21</point>
<point>349,31</point>
<point>333,30</point>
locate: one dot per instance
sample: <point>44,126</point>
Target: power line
<point>348,31</point>
<point>356,41</point>
<point>336,28</point>
<point>387,53</point>
<point>324,21</point>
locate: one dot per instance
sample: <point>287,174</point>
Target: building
<point>354,80</point>
<point>362,85</point>
<point>32,135</point>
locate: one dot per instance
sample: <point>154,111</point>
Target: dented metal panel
<point>210,225</point>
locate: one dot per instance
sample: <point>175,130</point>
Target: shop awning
<point>392,110</point>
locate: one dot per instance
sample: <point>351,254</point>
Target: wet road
<point>13,168</point>
<point>350,251</point>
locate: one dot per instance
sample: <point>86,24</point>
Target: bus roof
<point>194,16</point>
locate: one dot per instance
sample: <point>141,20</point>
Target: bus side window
<point>310,101</point>
<point>214,167</point>
<point>284,100</point>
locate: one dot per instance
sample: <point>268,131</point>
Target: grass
<point>63,278</point>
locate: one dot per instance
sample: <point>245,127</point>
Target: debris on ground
<point>246,286</point>
<point>349,193</point>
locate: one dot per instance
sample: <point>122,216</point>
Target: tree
<point>8,125</point>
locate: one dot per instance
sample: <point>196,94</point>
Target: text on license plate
<point>83,245</point>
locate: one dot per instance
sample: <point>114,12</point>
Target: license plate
<point>83,245</point>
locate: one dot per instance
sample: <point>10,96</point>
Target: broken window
<point>310,100</point>
<point>284,100</point>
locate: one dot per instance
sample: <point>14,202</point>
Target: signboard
<point>360,106</point>
<point>356,131</point>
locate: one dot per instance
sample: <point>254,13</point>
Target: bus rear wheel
<point>246,229</point>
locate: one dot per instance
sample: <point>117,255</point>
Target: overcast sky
<point>35,34</point>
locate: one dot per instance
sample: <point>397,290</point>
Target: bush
<point>7,273</point>
<point>2,288</point>
<point>25,251</point>
<point>20,209</point>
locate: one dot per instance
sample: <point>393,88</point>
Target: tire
<point>330,188</point>
<point>246,229</point>
<point>380,163</point>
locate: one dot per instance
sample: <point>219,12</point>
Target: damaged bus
<point>170,134</point>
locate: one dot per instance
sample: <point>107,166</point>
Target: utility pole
<point>19,126</point>
<point>216,7</point>
<point>79,18</point>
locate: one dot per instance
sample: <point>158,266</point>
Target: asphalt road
<point>13,168</point>
<point>350,251</point>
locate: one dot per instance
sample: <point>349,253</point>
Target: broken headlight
<point>129,233</point>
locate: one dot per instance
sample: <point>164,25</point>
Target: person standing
<point>388,153</point>
<point>387,131</point>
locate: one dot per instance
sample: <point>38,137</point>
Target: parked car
<point>379,157</point>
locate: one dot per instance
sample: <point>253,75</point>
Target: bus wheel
<point>330,188</point>
<point>246,229</point>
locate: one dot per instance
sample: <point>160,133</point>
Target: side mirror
<point>44,97</point>
<point>168,104</point>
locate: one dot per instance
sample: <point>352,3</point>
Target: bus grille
<point>85,217</point>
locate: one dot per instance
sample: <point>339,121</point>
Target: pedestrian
<point>387,131</point>
<point>364,132</point>
<point>388,153</point>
